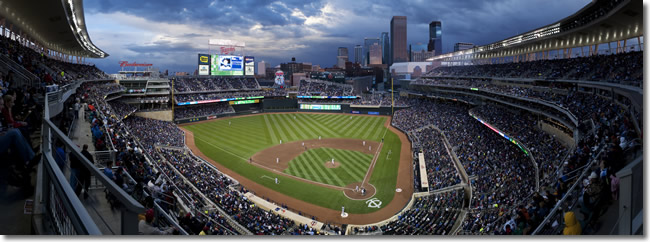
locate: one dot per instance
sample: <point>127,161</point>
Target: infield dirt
<point>400,199</point>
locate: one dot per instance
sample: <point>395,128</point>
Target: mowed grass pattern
<point>243,137</point>
<point>311,165</point>
<point>232,141</point>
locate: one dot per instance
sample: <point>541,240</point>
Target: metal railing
<point>567,202</point>
<point>62,208</point>
<point>20,70</point>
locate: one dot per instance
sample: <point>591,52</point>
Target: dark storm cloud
<point>476,21</point>
<point>219,14</point>
<point>163,47</point>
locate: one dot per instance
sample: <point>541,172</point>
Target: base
<point>344,215</point>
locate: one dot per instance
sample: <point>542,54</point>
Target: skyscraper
<point>367,42</point>
<point>435,37</point>
<point>398,46</point>
<point>358,54</point>
<point>374,55</point>
<point>385,48</point>
<point>343,51</point>
<point>418,52</point>
<point>261,68</point>
<point>342,57</point>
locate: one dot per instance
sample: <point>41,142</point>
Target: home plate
<point>398,190</point>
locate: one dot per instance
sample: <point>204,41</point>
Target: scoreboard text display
<point>321,106</point>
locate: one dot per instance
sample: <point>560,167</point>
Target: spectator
<point>145,227</point>
<point>571,224</point>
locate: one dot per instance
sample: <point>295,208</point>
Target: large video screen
<point>227,65</point>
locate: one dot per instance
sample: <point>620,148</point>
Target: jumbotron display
<point>226,65</point>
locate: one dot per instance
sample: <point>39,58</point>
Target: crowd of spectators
<point>214,84</point>
<point>430,215</point>
<point>122,110</point>
<point>503,175</point>
<point>194,111</point>
<point>107,88</point>
<point>152,132</point>
<point>441,171</point>
<point>213,96</point>
<point>49,71</point>
<point>323,88</point>
<point>546,149</point>
<point>625,68</point>
<point>215,186</point>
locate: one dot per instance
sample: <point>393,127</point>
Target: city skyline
<point>170,35</point>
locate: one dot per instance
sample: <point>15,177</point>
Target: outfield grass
<point>310,165</point>
<point>232,141</point>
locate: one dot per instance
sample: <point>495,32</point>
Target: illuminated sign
<point>218,100</point>
<point>226,65</point>
<point>474,89</point>
<point>204,59</point>
<point>502,134</point>
<point>320,106</point>
<point>328,97</point>
<point>249,65</point>
<point>244,102</point>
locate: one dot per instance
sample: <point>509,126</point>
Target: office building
<point>435,37</point>
<point>367,42</point>
<point>358,54</point>
<point>418,52</point>
<point>342,57</point>
<point>398,51</point>
<point>385,48</point>
<point>261,68</point>
<point>374,55</point>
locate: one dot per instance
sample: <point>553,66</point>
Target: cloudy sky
<point>170,33</point>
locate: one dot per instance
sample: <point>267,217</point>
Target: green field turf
<point>232,141</point>
<point>310,165</point>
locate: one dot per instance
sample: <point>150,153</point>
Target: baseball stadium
<point>540,133</point>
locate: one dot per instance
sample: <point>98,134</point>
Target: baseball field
<point>319,159</point>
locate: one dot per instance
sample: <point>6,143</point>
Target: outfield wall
<point>289,105</point>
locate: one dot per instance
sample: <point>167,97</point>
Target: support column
<point>570,50</point>
<point>596,49</point>
<point>624,45</point>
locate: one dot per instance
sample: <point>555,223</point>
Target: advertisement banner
<point>212,117</point>
<point>249,65</point>
<point>204,69</point>
<point>204,59</point>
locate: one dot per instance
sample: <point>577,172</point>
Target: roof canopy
<point>601,21</point>
<point>56,25</point>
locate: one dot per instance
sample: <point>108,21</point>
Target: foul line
<point>374,159</point>
<point>275,171</point>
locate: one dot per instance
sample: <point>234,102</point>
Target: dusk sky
<point>170,33</point>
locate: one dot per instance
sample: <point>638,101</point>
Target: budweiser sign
<point>126,63</point>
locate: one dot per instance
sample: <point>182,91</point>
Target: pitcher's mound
<point>329,164</point>
<point>356,195</point>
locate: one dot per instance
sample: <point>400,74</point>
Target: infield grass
<point>232,141</point>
